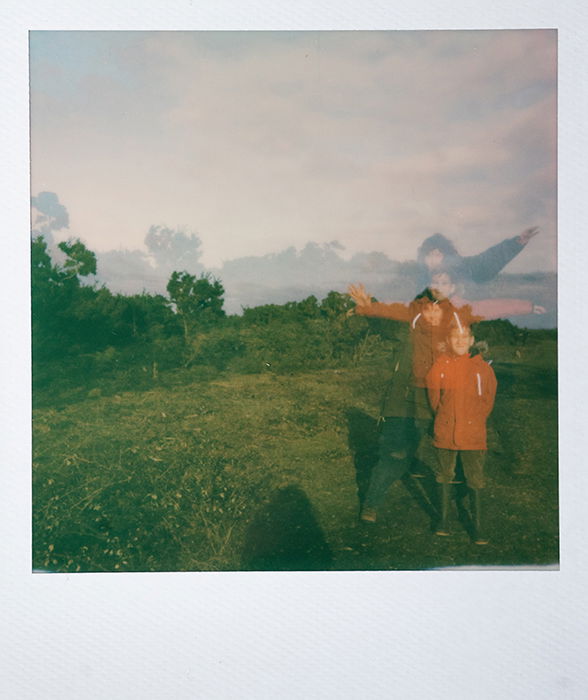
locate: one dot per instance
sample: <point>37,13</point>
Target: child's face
<point>442,284</point>
<point>433,259</point>
<point>460,341</point>
<point>432,314</point>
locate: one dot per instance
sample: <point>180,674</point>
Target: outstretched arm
<point>485,266</point>
<point>489,309</point>
<point>366,307</point>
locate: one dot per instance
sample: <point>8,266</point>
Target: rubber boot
<point>476,506</point>
<point>418,470</point>
<point>445,500</point>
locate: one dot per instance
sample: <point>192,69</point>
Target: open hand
<point>359,295</point>
<point>527,234</point>
<point>539,309</point>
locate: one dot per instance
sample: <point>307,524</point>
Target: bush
<point>219,347</point>
<point>499,332</point>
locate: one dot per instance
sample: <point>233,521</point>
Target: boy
<point>461,390</point>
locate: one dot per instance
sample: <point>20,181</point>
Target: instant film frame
<point>203,398</point>
<point>128,619</point>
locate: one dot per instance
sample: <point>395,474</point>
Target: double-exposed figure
<point>440,386</point>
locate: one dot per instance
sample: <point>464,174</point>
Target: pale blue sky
<point>260,140</point>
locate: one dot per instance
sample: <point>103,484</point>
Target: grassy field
<point>262,472</point>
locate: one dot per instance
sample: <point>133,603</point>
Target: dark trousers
<point>472,462</point>
<point>397,444</point>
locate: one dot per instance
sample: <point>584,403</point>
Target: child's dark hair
<point>427,294</point>
<point>437,242</point>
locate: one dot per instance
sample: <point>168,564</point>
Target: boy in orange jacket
<point>461,390</point>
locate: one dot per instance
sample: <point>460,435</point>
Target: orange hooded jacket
<point>461,390</point>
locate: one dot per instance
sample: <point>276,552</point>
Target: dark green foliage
<point>291,311</point>
<point>336,305</point>
<point>305,309</point>
<point>82,335</point>
<point>264,315</point>
<point>387,328</point>
<point>198,300</point>
<point>80,260</point>
<point>219,347</point>
<point>58,297</point>
<point>499,332</point>
<point>300,334</point>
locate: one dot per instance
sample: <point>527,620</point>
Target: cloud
<point>260,140</point>
<point>48,215</point>
<point>51,210</point>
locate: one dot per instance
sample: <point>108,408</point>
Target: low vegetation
<point>255,466</point>
<point>170,437</point>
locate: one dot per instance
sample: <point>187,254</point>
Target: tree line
<point>83,332</point>
<point>84,335</point>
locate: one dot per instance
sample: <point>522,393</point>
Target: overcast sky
<point>256,141</point>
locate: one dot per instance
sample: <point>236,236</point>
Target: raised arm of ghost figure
<point>527,234</point>
<point>485,266</point>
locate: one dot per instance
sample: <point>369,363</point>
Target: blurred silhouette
<point>285,536</point>
<point>363,440</point>
<point>363,444</point>
<point>439,253</point>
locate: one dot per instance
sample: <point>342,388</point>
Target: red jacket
<point>461,391</point>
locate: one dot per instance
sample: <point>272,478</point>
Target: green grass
<point>261,471</point>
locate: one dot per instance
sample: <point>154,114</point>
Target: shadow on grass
<point>363,443</point>
<point>285,536</point>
